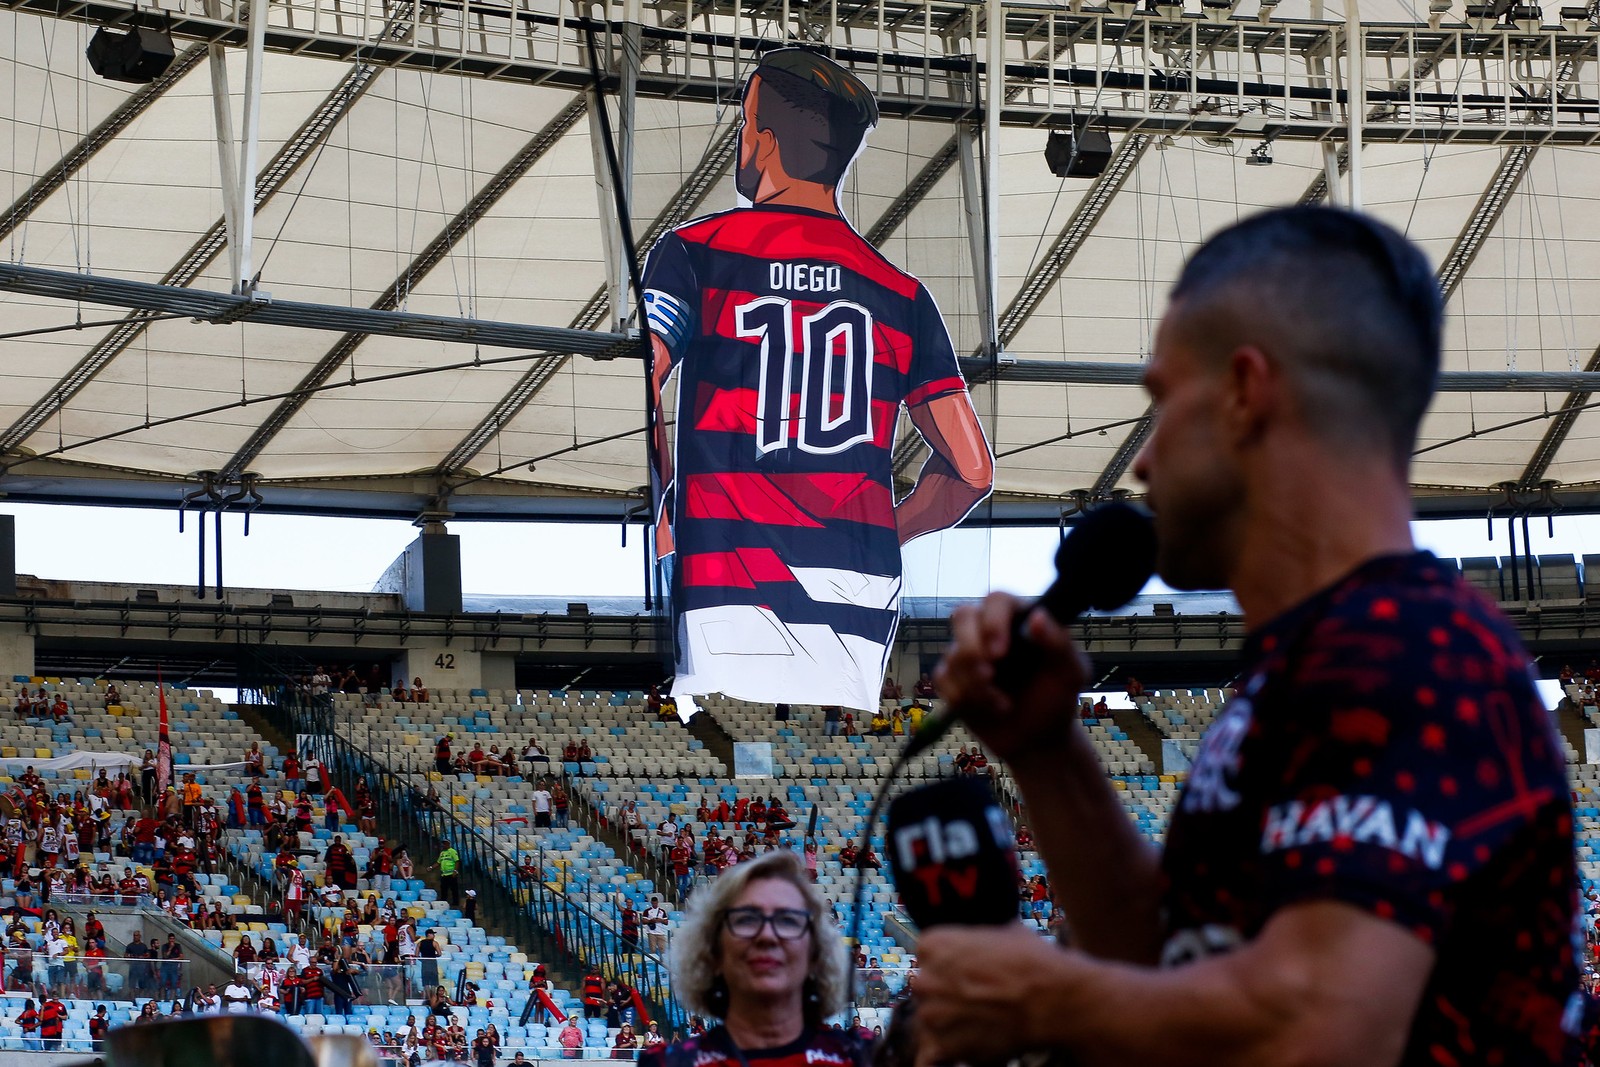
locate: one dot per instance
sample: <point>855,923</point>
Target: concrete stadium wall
<point>13,1058</point>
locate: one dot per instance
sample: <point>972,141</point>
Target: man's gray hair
<point>698,941</point>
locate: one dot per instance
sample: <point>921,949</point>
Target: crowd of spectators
<point>371,685</point>
<point>42,706</point>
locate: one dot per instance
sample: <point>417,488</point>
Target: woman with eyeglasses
<point>755,952</point>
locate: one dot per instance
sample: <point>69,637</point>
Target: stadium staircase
<point>1141,732</point>
<point>1570,718</point>
<point>718,742</point>
<point>564,930</point>
<point>251,715</point>
<point>594,818</point>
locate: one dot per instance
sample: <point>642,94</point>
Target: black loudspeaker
<point>140,56</point>
<point>1078,153</point>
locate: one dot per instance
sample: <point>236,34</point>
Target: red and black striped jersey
<point>795,344</point>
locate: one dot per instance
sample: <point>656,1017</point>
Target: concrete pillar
<point>500,671</point>
<point>8,556</point>
<point>442,667</point>
<point>427,575</point>
<point>16,652</point>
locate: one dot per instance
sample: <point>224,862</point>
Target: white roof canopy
<point>432,166</point>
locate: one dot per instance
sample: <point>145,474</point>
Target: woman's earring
<point>717,997</point>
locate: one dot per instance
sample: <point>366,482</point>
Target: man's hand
<point>1324,984</point>
<point>977,990</point>
<point>1033,722</point>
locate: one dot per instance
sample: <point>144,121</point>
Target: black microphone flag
<point>953,855</point>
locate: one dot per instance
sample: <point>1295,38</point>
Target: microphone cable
<point>863,844</point>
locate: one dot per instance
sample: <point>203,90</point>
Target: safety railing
<point>519,886</point>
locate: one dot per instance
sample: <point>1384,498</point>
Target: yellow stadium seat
<point>114,709</point>
<point>435,776</point>
<point>36,680</point>
<point>41,753</point>
<point>1118,783</point>
<point>8,752</point>
<point>53,681</point>
<point>459,801</point>
<point>125,732</point>
<point>82,774</point>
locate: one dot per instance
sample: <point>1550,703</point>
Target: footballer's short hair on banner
<point>818,111</point>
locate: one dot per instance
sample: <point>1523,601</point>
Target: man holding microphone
<point>1372,860</point>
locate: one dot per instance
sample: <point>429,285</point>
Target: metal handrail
<point>539,912</point>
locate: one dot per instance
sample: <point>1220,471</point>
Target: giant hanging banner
<point>795,346</point>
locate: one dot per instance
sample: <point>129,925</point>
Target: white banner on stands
<point>94,760</point>
<point>1176,754</point>
<point>752,759</point>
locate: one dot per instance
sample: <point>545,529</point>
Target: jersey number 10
<point>834,372</point>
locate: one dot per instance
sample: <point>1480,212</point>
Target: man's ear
<point>766,147</point>
<point>1254,392</point>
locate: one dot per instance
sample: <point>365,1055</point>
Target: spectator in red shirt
<point>98,1025</point>
<point>341,864</point>
<point>289,992</point>
<point>28,1020</point>
<point>94,968</point>
<point>311,979</point>
<point>131,887</point>
<point>52,1020</point>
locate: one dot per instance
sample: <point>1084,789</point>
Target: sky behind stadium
<point>131,545</point>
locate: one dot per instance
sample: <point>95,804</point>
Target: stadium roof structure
<point>423,318</point>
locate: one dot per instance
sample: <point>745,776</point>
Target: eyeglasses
<point>788,924</point>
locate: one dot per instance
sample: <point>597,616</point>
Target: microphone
<point>1102,564</point>
<point>952,854</point>
<point>954,860</point>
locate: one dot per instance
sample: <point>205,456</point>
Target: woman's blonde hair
<point>698,941</point>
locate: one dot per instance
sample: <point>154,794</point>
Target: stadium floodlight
<point>1527,18</point>
<point>1485,16</point>
<point>1122,9</point>
<point>1260,156</point>
<point>1577,19</point>
<point>1170,10</point>
<point>1267,9</point>
<point>1217,10</point>
<point>1437,10</point>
